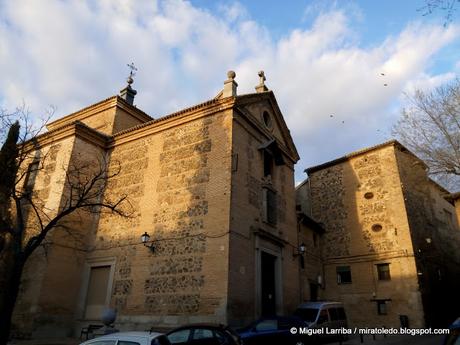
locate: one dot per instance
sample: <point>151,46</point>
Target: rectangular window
<point>235,162</point>
<point>383,271</point>
<point>315,240</point>
<point>449,219</point>
<point>268,163</point>
<point>31,174</point>
<point>381,308</point>
<point>96,297</point>
<point>269,206</point>
<point>343,275</point>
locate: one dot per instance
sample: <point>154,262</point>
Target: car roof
<point>126,335</point>
<point>320,304</point>
<point>280,317</point>
<point>455,324</point>
<point>215,326</point>
<point>201,325</point>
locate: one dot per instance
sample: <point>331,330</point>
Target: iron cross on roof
<point>132,72</point>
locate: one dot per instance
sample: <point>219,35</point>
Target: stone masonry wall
<point>360,202</point>
<point>435,236</point>
<point>48,184</point>
<point>177,194</point>
<point>248,225</point>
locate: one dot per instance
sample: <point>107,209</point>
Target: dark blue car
<point>454,336</point>
<point>275,330</point>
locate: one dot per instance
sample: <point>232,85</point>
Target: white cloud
<point>71,54</point>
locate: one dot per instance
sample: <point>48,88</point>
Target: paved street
<point>397,340</point>
<point>368,340</point>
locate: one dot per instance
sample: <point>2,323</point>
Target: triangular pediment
<point>263,110</point>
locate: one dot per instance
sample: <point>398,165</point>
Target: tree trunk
<point>8,297</point>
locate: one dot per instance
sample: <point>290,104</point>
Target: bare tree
<point>430,127</point>
<point>25,222</point>
<point>448,7</point>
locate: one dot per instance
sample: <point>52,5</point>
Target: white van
<point>323,314</point>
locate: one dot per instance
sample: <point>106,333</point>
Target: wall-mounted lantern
<point>320,280</point>
<point>300,251</point>
<point>145,238</point>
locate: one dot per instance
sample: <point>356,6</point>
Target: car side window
<point>286,323</point>
<point>323,316</point>
<point>267,325</point>
<point>342,315</point>
<point>103,342</point>
<point>222,337</point>
<point>179,337</point>
<point>202,333</point>
<point>334,314</point>
<point>124,342</point>
<point>161,340</point>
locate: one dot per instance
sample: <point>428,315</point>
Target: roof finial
<point>261,87</point>
<point>230,85</point>
<point>128,93</point>
<point>132,73</point>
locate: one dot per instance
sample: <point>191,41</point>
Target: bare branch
<point>430,127</point>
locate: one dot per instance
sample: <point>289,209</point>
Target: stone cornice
<point>83,113</point>
<point>133,111</point>
<point>172,120</point>
<point>114,101</point>
<point>75,129</point>
<point>351,155</point>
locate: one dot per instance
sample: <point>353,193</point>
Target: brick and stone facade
<point>195,181</point>
<point>390,236</point>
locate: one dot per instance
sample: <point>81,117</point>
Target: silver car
<point>130,338</point>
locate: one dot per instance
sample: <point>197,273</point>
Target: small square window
<point>381,308</point>
<point>343,275</point>
<point>383,271</point>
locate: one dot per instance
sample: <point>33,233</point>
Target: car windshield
<point>307,314</point>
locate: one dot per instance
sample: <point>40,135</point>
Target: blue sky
<point>321,58</point>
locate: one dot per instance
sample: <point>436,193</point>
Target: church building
<point>213,231</point>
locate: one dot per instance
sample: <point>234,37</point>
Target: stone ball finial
<point>231,75</point>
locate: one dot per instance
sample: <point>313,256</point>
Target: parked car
<point>275,330</point>
<point>454,336</point>
<point>203,334</point>
<point>130,338</point>
<point>324,315</point>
